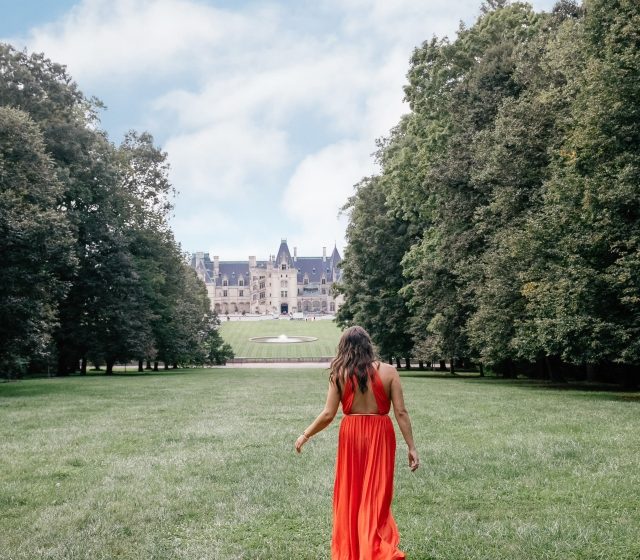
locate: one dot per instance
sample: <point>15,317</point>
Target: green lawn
<point>200,465</point>
<point>238,333</point>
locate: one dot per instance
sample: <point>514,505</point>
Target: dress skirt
<point>363,526</point>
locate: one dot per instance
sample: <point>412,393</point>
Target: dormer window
<point>241,282</point>
<point>324,281</point>
<point>225,282</point>
<point>284,266</point>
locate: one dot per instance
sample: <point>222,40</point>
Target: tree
<point>371,273</point>
<point>36,242</point>
<point>584,301</point>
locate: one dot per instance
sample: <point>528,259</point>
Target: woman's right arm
<point>402,417</point>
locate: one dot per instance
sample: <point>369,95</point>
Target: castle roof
<point>232,271</point>
<point>314,268</point>
<point>283,254</point>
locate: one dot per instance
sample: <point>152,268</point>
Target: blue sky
<point>269,111</point>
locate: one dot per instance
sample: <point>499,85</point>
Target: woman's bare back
<point>365,403</point>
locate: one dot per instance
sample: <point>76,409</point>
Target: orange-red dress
<point>363,527</point>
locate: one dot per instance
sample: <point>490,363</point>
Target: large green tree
<point>124,289</point>
<point>371,272</point>
<point>35,242</point>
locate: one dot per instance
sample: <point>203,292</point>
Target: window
<point>241,282</point>
<point>261,295</point>
<point>225,282</point>
<point>324,291</point>
<point>241,294</point>
<point>324,281</point>
<point>305,281</point>
<point>224,293</point>
<point>283,293</point>
<point>284,284</point>
<point>284,266</point>
<point>332,306</point>
<point>262,285</point>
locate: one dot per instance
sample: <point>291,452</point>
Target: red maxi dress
<point>363,526</point>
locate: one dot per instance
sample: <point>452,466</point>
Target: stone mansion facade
<point>282,284</point>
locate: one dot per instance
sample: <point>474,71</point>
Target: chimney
<point>216,265</point>
<point>295,254</point>
<point>252,261</point>
<point>199,255</point>
<point>324,254</point>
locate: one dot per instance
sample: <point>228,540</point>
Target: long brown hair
<point>354,359</point>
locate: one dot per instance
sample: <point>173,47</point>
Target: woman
<point>363,527</point>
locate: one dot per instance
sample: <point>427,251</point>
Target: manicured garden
<point>200,464</point>
<point>239,333</point>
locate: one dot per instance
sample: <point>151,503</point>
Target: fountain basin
<point>282,339</point>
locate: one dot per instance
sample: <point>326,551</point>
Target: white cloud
<point>320,186</point>
<point>105,39</point>
<point>221,161</point>
<point>254,95</point>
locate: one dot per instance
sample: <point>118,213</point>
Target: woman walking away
<point>363,527</point>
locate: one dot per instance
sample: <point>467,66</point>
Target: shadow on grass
<point>588,389</point>
<point>49,385</point>
<point>606,391</point>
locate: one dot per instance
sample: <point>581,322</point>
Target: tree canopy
<point>515,175</point>
<point>91,270</point>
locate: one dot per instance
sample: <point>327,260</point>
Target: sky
<point>268,110</point>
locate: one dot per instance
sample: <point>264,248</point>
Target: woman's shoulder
<point>386,371</point>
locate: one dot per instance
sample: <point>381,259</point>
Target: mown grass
<point>200,465</point>
<point>238,333</point>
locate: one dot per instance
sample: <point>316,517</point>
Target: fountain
<point>282,339</point>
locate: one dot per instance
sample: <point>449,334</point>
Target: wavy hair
<point>353,360</point>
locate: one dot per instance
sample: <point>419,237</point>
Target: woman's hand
<point>300,442</point>
<point>414,462</point>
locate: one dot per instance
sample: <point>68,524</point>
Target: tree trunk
<point>592,372</point>
<point>453,366</point>
<point>398,364</point>
<point>481,367</point>
<point>166,365</point>
<point>420,365</point>
<point>390,360</point>
<point>63,366</point>
<point>541,369</point>
<point>443,365</point>
<point>630,376</point>
<point>553,366</point>
<point>155,366</point>
<point>140,365</point>
<point>175,366</point>
<point>83,365</point>
<point>407,361</point>
<point>109,367</point>
<point>148,364</point>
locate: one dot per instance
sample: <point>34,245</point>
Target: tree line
<point>503,228</point>
<point>90,270</point>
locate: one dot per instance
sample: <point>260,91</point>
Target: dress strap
<point>384,404</point>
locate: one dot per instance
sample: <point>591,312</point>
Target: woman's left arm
<point>324,418</point>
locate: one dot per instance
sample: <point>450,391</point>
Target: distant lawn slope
<point>238,333</point>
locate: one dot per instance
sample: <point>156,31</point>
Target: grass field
<point>238,333</point>
<point>200,465</point>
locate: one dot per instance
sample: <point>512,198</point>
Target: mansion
<point>282,284</point>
